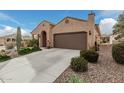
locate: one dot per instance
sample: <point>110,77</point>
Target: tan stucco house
<point>11,39</point>
<point>2,41</point>
<point>70,33</point>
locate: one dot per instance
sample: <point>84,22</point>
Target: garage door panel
<point>71,40</point>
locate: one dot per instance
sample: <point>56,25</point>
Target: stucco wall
<point>2,41</point>
<point>97,37</point>
<point>77,26</point>
<point>44,26</point>
<point>91,28</point>
<point>72,26</point>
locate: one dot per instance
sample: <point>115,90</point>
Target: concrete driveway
<point>42,66</point>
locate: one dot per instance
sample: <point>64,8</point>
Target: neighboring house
<point>105,39</point>
<point>10,39</point>
<point>114,39</point>
<point>4,40</point>
<point>111,39</point>
<point>70,33</point>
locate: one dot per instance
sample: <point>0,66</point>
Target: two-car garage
<point>76,40</point>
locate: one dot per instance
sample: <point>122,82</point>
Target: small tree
<point>18,39</point>
<point>118,28</point>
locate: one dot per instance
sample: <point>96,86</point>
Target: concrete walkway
<point>42,66</point>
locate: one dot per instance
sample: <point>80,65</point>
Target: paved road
<point>42,66</point>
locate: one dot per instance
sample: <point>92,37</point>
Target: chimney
<point>91,24</point>
<point>91,18</point>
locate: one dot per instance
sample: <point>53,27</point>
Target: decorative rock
<point>105,71</point>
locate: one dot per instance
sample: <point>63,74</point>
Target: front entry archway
<point>44,38</point>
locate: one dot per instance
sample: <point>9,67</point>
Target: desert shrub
<point>79,64</point>
<point>36,49</point>
<point>25,51</point>
<point>75,79</point>
<point>9,46</point>
<point>4,58</point>
<point>2,50</point>
<point>33,43</point>
<point>118,53</point>
<point>93,48</point>
<point>89,55</point>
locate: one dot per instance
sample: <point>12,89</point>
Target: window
<point>13,40</point>
<point>8,39</point>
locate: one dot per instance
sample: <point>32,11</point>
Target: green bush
<point>25,51</point>
<point>93,48</point>
<point>79,64</point>
<point>118,53</point>
<point>35,49</point>
<point>4,58</point>
<point>89,55</point>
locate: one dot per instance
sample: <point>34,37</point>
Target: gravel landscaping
<point>105,71</point>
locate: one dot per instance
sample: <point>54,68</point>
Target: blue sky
<point>29,19</point>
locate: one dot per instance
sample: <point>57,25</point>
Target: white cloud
<point>7,30</point>
<point>109,14</point>
<point>106,25</point>
<point>6,17</point>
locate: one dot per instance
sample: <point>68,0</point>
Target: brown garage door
<point>71,40</point>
